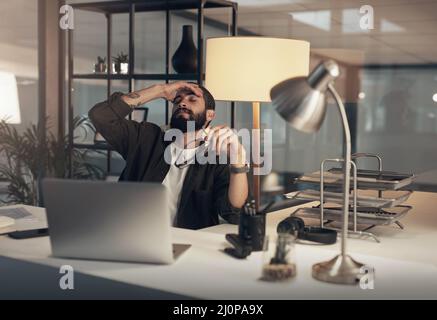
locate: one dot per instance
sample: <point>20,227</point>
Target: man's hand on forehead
<point>172,90</point>
<point>187,92</point>
<point>193,89</point>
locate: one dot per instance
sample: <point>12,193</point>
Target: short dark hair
<point>207,96</point>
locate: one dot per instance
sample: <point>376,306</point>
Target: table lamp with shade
<point>243,69</point>
<point>302,102</point>
<point>9,105</point>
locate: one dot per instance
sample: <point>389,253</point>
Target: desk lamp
<point>245,69</point>
<point>302,102</point>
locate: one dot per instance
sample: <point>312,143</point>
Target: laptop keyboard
<point>15,213</point>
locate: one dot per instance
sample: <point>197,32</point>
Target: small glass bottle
<point>279,258</point>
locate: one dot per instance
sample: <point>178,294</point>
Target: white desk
<point>405,262</point>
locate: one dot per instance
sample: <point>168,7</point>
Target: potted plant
<point>23,156</point>
<point>121,63</point>
<point>100,66</point>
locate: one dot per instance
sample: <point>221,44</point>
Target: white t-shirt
<point>174,180</point>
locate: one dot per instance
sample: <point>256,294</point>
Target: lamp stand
<point>256,152</point>
<point>343,268</point>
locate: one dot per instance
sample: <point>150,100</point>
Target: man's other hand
<point>223,140</point>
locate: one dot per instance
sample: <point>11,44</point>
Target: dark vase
<point>185,58</point>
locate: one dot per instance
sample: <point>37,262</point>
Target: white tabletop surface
<point>405,262</point>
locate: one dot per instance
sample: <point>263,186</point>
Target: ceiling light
<point>317,19</point>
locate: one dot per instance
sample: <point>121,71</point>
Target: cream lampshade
<point>9,105</point>
<point>246,68</point>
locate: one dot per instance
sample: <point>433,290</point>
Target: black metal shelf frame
<point>149,76</point>
<point>108,8</point>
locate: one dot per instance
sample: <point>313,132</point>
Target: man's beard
<point>179,122</point>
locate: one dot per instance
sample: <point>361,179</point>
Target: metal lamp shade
<point>301,101</point>
<point>300,105</point>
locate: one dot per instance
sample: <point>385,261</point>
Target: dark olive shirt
<point>204,195</point>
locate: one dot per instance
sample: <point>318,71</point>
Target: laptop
<point>113,221</point>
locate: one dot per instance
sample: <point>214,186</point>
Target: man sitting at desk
<point>198,193</point>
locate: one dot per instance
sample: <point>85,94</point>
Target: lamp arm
<point>346,166</point>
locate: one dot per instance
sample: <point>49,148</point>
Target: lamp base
<point>341,269</point>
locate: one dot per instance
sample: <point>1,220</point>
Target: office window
<point>397,116</point>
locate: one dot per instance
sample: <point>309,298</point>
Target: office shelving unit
<point>131,7</point>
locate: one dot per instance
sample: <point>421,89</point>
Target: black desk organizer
<point>251,232</point>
